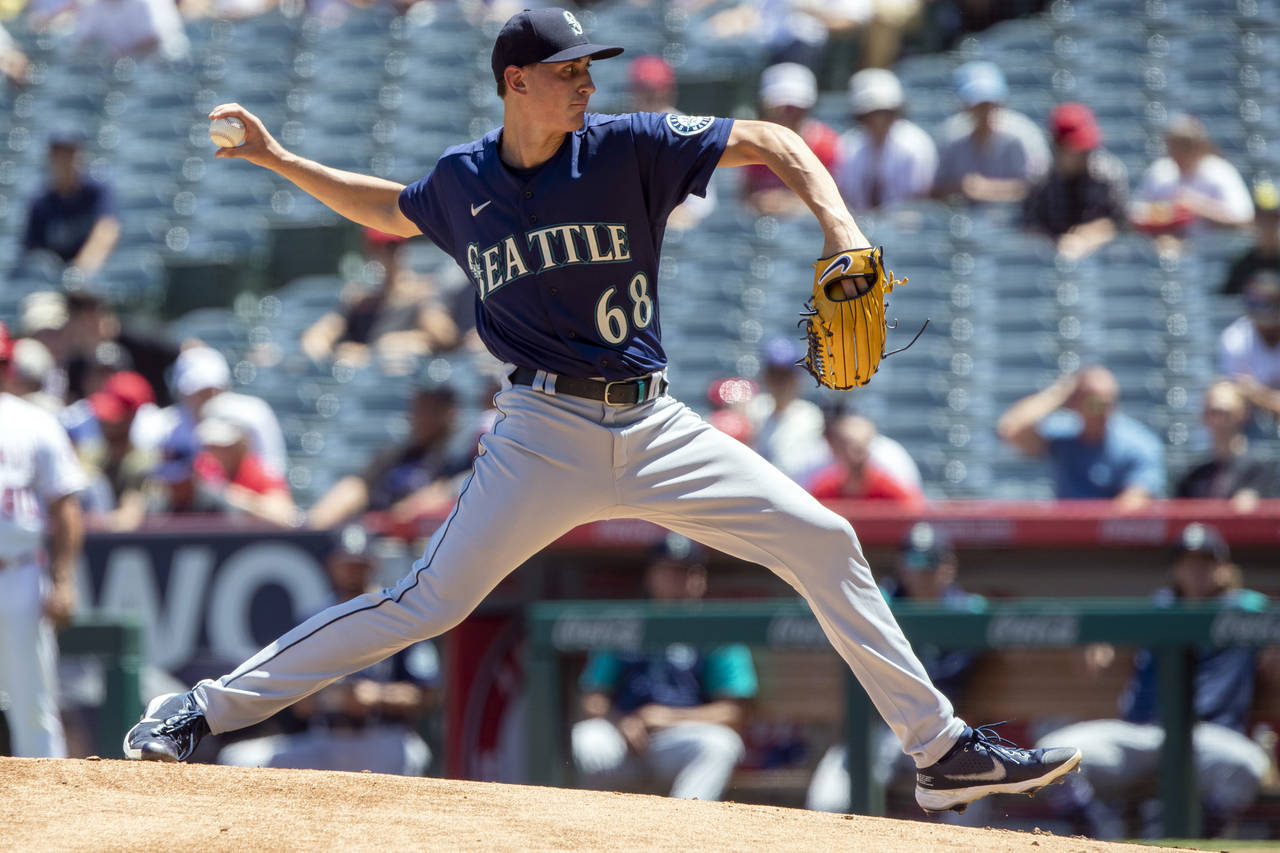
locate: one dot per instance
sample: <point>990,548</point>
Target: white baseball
<point>227,132</point>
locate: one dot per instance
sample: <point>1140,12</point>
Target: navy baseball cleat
<point>169,730</point>
<point>983,763</point>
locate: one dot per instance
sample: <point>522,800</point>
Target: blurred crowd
<point>159,431</point>
<point>154,420</point>
<point>183,441</point>
<point>157,424</point>
<point>791,28</point>
<point>1093,450</point>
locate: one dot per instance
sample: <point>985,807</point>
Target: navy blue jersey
<point>681,676</point>
<point>61,224</point>
<point>565,256</point>
<point>1223,681</point>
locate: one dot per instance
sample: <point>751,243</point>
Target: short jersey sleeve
<point>730,673</point>
<point>419,664</point>
<point>677,155</point>
<point>105,202</point>
<point>1144,461</point>
<point>601,673</point>
<point>424,203</point>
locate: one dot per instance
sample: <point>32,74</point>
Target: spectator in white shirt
<point>988,152</point>
<point>790,431</point>
<point>1190,186</point>
<point>200,380</point>
<point>788,93</point>
<point>885,159</point>
<point>133,28</point>
<point>1249,350</point>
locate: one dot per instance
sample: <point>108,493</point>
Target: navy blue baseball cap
<point>781,352</point>
<point>177,458</point>
<point>353,541</point>
<point>67,138</point>
<point>675,548</point>
<point>1197,538</point>
<point>544,35</point>
<point>925,547</point>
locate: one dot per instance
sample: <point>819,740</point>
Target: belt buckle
<point>609,385</point>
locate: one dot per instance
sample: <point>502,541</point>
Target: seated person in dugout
<point>925,573</point>
<point>1122,757</point>
<point>366,721</point>
<point>668,719</point>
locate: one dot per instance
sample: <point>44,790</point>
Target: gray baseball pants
<point>553,462</point>
<point>693,760</point>
<point>392,748</point>
<point>1122,759</point>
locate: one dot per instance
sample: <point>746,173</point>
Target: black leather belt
<point>619,392</point>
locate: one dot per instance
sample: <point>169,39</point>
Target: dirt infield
<point>48,804</point>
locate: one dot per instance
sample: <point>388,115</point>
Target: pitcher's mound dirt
<point>48,804</point>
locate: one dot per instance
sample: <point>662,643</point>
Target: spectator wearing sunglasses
<point>1094,451</point>
<point>1249,350</point>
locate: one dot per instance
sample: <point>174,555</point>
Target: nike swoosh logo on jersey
<point>995,774</point>
<point>476,208</point>
<point>844,262</point>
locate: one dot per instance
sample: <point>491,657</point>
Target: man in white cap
<point>200,380</point>
<point>988,152</point>
<point>885,159</point>
<point>32,366</point>
<point>788,92</point>
<point>42,316</point>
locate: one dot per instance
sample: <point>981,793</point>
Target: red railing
<point>1045,524</point>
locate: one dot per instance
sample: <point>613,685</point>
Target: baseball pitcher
<point>558,218</point>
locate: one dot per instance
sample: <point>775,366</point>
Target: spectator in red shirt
<point>852,475</point>
<point>788,92</point>
<point>226,467</point>
<point>117,469</point>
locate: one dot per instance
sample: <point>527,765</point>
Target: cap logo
<point>573,23</point>
<point>688,125</point>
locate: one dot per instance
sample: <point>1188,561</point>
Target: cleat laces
<point>177,723</point>
<point>183,728</point>
<point>991,740</point>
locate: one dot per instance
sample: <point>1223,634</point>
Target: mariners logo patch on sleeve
<point>688,125</point>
